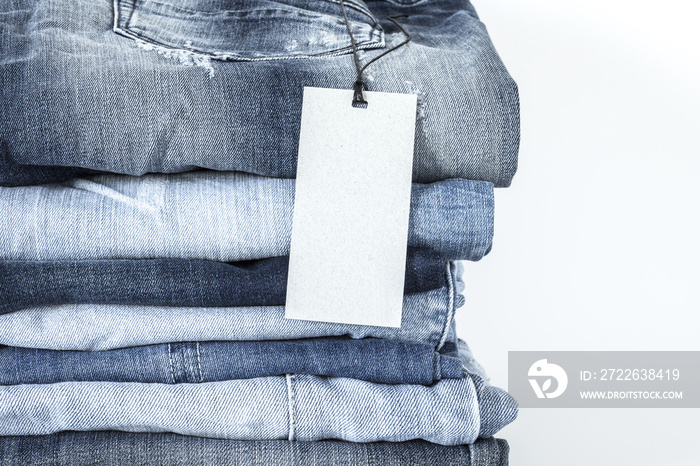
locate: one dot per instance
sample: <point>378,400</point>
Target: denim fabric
<point>374,360</point>
<point>136,87</point>
<point>218,216</point>
<point>14,174</point>
<point>427,318</point>
<point>469,363</point>
<point>109,448</point>
<point>172,282</point>
<point>293,407</point>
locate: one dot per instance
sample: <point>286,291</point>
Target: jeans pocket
<point>249,31</point>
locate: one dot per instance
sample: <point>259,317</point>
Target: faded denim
<point>371,359</point>
<point>118,448</point>
<point>292,407</point>
<point>225,217</point>
<point>163,86</point>
<point>173,282</point>
<point>427,318</point>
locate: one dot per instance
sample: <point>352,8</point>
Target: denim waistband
<point>137,87</point>
<point>224,217</point>
<point>371,359</point>
<point>292,407</point>
<point>173,282</point>
<point>116,448</point>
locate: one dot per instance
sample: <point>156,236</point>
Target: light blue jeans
<point>427,318</point>
<point>293,407</point>
<point>210,215</point>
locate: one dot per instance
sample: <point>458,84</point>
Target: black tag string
<point>358,99</point>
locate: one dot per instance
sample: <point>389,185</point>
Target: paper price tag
<point>350,228</point>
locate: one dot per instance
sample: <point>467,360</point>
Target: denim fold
<point>137,87</point>
<point>291,407</point>
<point>370,359</point>
<point>113,448</point>
<point>218,216</point>
<point>173,282</point>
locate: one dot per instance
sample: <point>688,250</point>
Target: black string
<point>360,85</point>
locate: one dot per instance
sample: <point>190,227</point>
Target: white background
<point>597,242</point>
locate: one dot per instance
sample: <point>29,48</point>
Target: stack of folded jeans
<point>147,163</point>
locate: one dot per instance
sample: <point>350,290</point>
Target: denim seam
<point>291,405</point>
<point>365,45</point>
<point>187,362</point>
<point>360,7</point>
<point>349,4</point>
<point>489,200</point>
<point>130,33</point>
<point>407,3</point>
<point>451,310</point>
<point>170,360</point>
<point>116,14</point>
<point>437,373</point>
<point>199,364</point>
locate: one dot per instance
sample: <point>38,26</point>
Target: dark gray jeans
<point>109,448</point>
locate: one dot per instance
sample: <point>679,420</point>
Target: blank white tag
<point>353,192</point>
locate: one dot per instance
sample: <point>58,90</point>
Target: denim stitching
<point>170,359</point>
<point>290,405</point>
<point>199,364</point>
<point>117,14</point>
<point>183,9</point>
<point>168,51</point>
<point>406,2</point>
<point>187,362</point>
<point>200,58</point>
<point>450,310</point>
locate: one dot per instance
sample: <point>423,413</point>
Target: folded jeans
<point>218,216</point>
<point>292,407</point>
<point>370,359</point>
<point>173,282</point>
<point>138,87</point>
<point>113,448</point>
<point>427,317</point>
